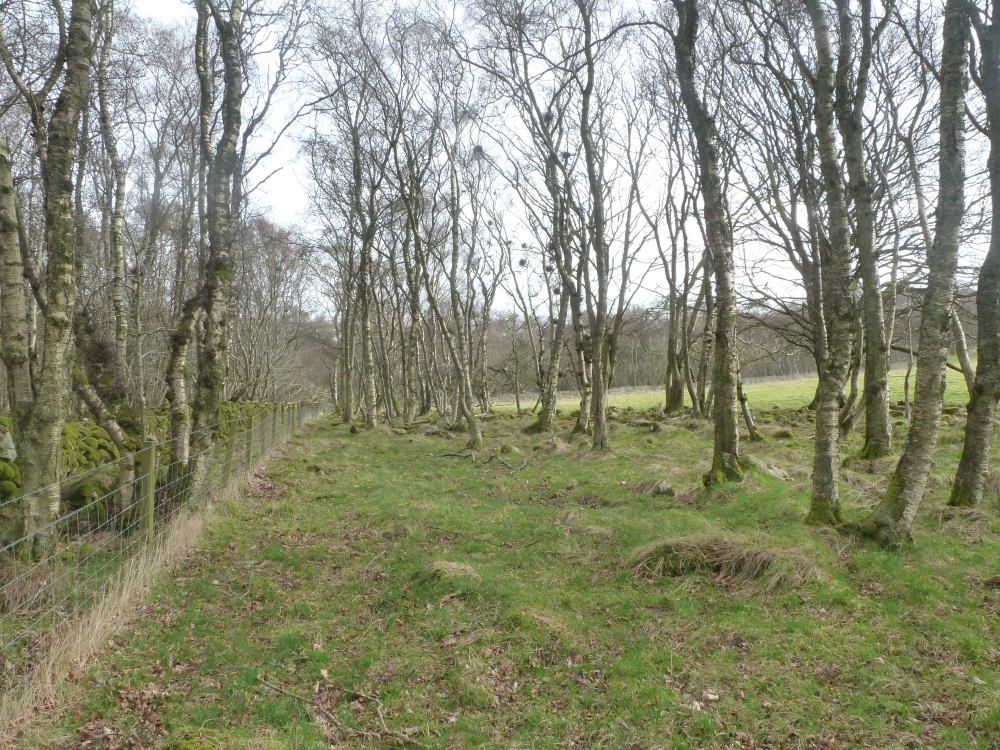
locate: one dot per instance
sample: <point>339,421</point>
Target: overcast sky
<point>284,193</point>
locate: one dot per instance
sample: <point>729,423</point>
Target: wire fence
<point>44,587</point>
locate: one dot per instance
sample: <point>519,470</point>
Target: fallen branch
<point>494,456</point>
<point>525,546</point>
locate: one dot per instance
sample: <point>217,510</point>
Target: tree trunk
<point>597,311</point>
<point>550,384</point>
<point>752,430</point>
<point>673,382</point>
<point>707,341</point>
<point>583,361</point>
<point>367,355</point>
<point>39,432</point>
<point>889,523</point>
<point>222,170</point>
<point>177,387</point>
<point>347,360</point>
<point>14,333</point>
<point>849,105</point>
<point>962,346</point>
<point>973,467</point>
<point>719,237</point>
<point>836,287</point>
<point>117,222</point>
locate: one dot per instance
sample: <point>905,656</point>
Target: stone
<point>758,464</point>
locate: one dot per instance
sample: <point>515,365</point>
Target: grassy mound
<point>444,569</point>
<point>726,556</point>
<point>655,487</point>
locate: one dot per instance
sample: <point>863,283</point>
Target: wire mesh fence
<point>44,586</point>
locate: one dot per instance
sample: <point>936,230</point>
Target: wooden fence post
<point>146,469</point>
<point>227,462</point>
<point>250,444</point>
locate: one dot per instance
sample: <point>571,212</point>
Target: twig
<point>513,469</point>
<point>364,576</point>
<point>525,546</point>
<point>446,531</point>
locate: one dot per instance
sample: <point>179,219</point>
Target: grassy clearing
<point>373,592</point>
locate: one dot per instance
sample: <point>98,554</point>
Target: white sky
<point>285,193</point>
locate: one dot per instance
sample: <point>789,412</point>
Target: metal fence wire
<point>92,544</point>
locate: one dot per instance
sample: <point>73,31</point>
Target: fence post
<point>146,469</point>
<point>227,462</point>
<point>250,444</point>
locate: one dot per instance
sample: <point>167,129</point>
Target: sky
<point>284,195</point>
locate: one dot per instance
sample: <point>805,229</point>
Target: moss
<point>85,494</point>
<point>85,445</point>
<point>824,512</point>
<point>871,451</point>
<point>884,525</point>
<point>728,470</point>
<point>962,495</point>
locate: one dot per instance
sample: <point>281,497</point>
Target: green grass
<point>317,583</point>
<point>785,394</point>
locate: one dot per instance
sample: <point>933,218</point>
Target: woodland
<point>706,291</point>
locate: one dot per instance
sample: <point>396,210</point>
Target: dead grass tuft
<point>571,517</point>
<point>655,487</point>
<point>728,557</point>
<point>991,489</point>
<point>839,543</point>
<point>27,586</point>
<point>555,445</point>
<point>971,525</point>
<point>73,644</point>
<point>444,569</point>
<point>594,530</point>
<point>545,620</point>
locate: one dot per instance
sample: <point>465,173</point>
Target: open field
<point>792,393</point>
<point>374,591</point>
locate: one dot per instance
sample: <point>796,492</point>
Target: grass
<point>374,592</point>
<point>785,394</point>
